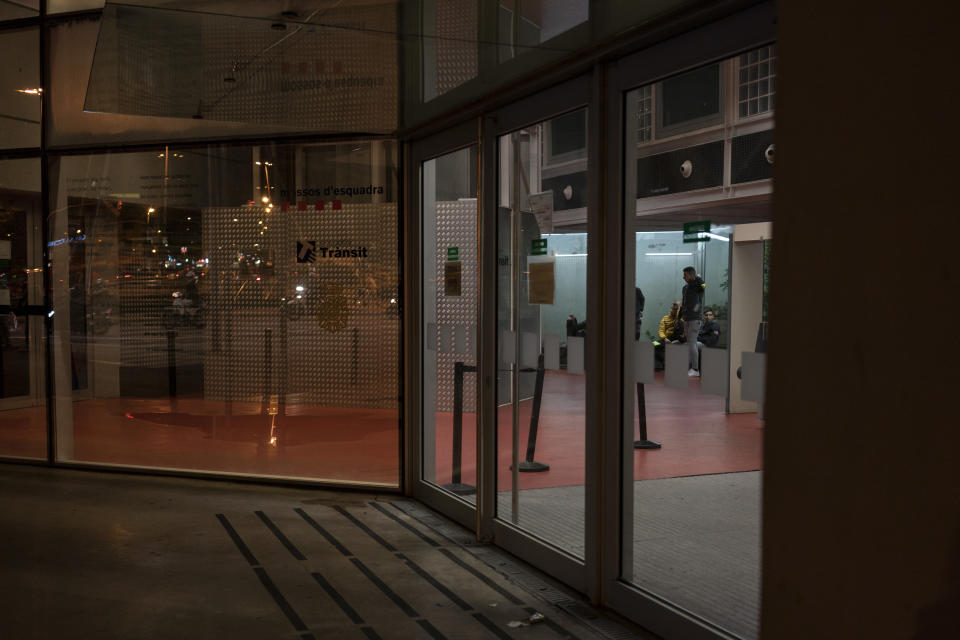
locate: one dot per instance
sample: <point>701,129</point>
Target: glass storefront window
<point>23,415</point>
<point>698,230</point>
<point>20,88</point>
<point>229,309</point>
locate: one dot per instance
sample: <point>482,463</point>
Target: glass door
<point>450,256</point>
<point>697,193</point>
<point>23,431</point>
<point>542,326</point>
<point>544,359</point>
<point>444,408</point>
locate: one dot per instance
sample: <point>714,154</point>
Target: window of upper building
<point>756,81</point>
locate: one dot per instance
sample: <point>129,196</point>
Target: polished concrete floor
<point>696,540</point>
<point>101,555</point>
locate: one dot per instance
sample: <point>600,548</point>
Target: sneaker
<point>693,373</point>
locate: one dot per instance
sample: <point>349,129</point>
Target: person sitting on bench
<point>671,330</point>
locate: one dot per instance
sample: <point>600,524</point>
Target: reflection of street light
<point>266,173</point>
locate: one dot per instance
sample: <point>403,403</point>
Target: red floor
<point>362,445</point>
<point>697,436</point>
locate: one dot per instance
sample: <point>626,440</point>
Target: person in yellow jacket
<point>670,328</point>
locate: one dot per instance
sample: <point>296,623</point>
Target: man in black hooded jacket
<point>691,305</point>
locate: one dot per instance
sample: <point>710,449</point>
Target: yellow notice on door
<point>542,283</point>
<point>452,278</point>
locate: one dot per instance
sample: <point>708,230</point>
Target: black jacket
<point>691,300</point>
<point>710,333</point>
<point>639,312</point>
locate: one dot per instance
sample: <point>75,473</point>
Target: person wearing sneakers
<point>691,306</point>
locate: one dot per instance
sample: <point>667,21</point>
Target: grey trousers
<point>691,329</point>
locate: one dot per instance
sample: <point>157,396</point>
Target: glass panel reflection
<point>321,67</point>
<point>23,415</point>
<point>522,25</point>
<point>697,263</point>
<point>450,55</point>
<point>19,9</point>
<point>20,88</point>
<point>230,309</point>
<point>542,329</point>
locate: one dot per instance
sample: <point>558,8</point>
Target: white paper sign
<point>753,376</point>
<point>714,371</point>
<point>643,362</point>
<point>574,355</point>
<point>460,340</point>
<point>541,205</point>
<point>444,338</point>
<point>551,351</point>
<point>529,349</point>
<point>508,347</point>
<point>677,361</point>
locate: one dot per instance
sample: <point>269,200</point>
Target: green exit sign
<point>453,254</point>
<point>696,231</point>
<point>538,247</point>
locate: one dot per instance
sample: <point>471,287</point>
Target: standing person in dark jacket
<point>691,305</point>
<point>640,302</point>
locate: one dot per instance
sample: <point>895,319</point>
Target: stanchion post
<point>267,349</point>
<point>456,484</point>
<point>643,443</point>
<point>528,464</point>
<point>172,362</point>
<point>456,475</point>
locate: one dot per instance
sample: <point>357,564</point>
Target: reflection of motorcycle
<point>184,311</point>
